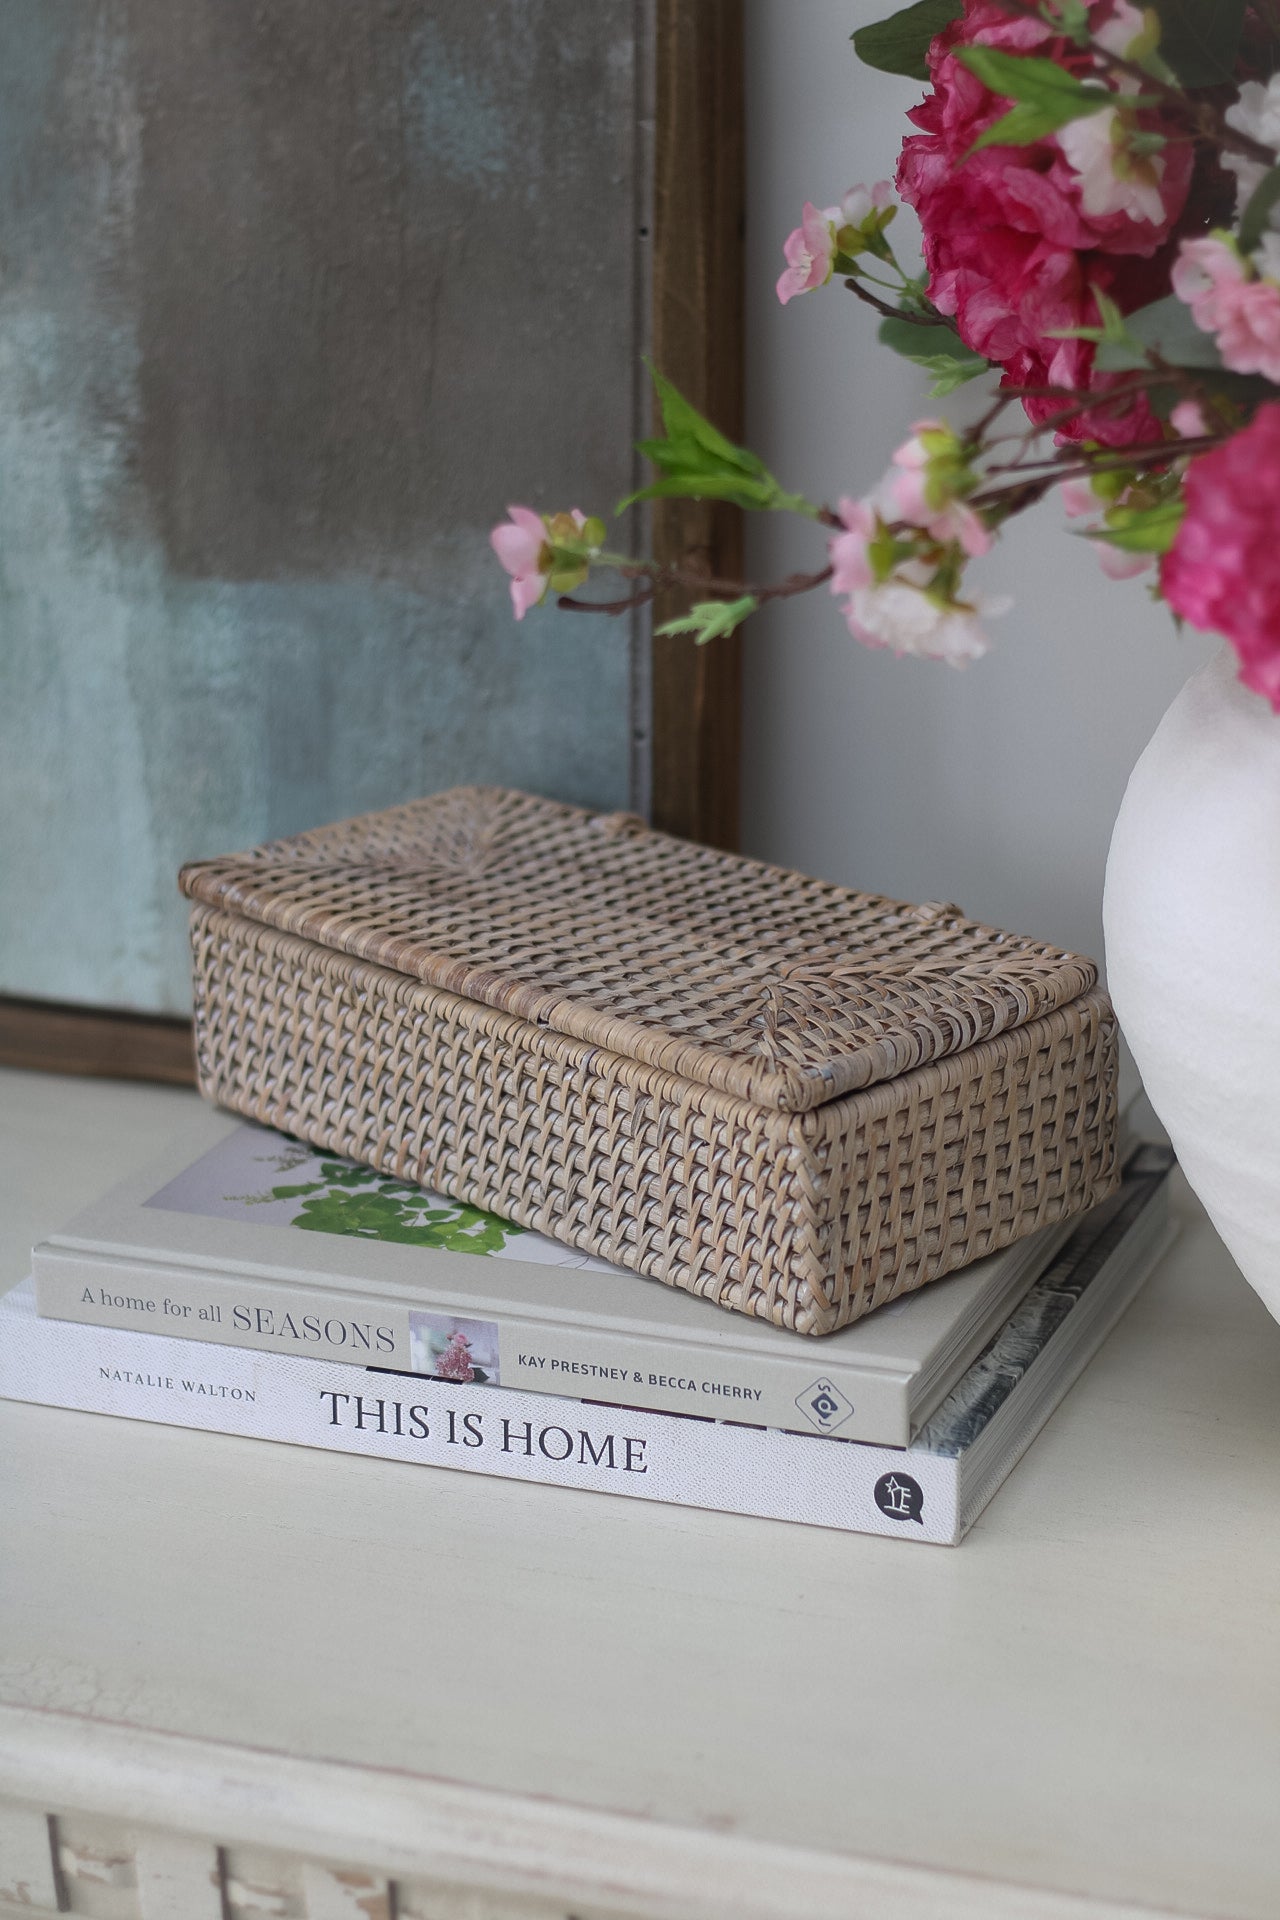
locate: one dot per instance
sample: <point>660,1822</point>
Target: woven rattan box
<point>794,1100</point>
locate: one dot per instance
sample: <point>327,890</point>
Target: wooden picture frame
<point>696,329</point>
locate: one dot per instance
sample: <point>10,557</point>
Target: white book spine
<point>490,1430</point>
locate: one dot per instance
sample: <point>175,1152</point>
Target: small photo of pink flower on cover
<point>449,1348</point>
<point>455,1362</point>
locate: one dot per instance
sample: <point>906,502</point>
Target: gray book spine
<point>792,1392</point>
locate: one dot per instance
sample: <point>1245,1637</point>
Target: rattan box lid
<point>785,991</point>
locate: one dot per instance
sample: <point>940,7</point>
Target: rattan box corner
<point>792,1099</point>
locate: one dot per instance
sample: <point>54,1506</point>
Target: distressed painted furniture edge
<point>493,1850</point>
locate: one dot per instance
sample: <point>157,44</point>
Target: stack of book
<point>255,1286</point>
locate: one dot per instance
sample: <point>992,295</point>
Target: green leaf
<point>1113,322</point>
<point>712,619</point>
<point>1167,328</point>
<point>1257,214</point>
<point>1025,124</point>
<point>1073,20</point>
<point>907,336</point>
<point>916,342</point>
<point>1139,144</point>
<point>1047,96</point>
<point>1113,331</point>
<point>754,495</point>
<point>1142,529</point>
<point>696,462</point>
<point>939,350</point>
<point>1200,38</point>
<point>684,424</point>
<point>395,1212</point>
<point>901,43</point>
<point>950,371</point>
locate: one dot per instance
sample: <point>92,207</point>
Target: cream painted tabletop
<point>244,1678</point>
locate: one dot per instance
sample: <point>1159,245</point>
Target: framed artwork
<point>293,300</point>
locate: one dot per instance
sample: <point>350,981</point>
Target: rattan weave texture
<point>783,990</point>
<point>797,1101</point>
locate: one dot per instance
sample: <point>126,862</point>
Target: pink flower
<point>1202,273</point>
<point>907,488</point>
<point>926,489</point>
<point>1218,284</point>
<point>1248,328</point>
<point>1078,497</point>
<point>860,202</point>
<point>521,545</point>
<point>1187,420</point>
<point>1012,249</point>
<point>849,551</point>
<point>808,249</point>
<point>455,1362</point>
<point>1119,565</point>
<point>901,608</point>
<point>1223,571</point>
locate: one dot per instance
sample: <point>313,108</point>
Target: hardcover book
<point>251,1239</point>
<point>932,1490</point>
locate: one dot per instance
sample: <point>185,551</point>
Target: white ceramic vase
<point>1192,917</point>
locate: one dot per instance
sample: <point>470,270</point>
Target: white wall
<point>995,787</point>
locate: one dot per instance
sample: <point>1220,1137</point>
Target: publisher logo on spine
<point>899,1497</point>
<point>824,1406</point>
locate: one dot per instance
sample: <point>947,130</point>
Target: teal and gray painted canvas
<point>293,299</point>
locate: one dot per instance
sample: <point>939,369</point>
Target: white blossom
<point>1257,113</point>
<point>1127,24</point>
<point>1089,146</point>
<point>904,618</point>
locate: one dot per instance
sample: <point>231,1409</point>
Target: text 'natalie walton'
<point>166,1383</point>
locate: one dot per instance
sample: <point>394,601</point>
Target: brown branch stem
<point>1027,492</point>
<point>896,313</point>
